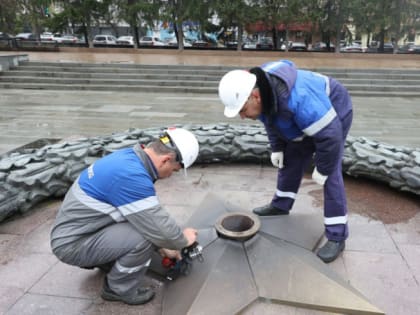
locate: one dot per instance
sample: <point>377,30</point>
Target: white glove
<point>277,159</point>
<point>318,177</point>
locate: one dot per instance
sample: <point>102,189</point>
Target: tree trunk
<point>240,35</point>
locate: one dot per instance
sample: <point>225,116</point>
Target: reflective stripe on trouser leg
<point>297,156</point>
<point>335,202</point>
<point>119,242</point>
<point>335,207</point>
<point>128,271</point>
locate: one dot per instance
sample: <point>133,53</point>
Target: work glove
<point>277,159</point>
<point>318,177</point>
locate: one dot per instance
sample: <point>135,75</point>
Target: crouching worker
<point>111,217</point>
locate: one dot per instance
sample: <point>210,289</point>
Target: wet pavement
<point>382,254</point>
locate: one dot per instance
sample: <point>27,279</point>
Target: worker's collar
<point>147,162</point>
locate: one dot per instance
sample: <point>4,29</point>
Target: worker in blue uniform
<point>307,117</point>
<point>111,217</point>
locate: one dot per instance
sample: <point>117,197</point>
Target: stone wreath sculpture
<point>32,175</point>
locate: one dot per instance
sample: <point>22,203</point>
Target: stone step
<point>98,87</point>
<point>136,75</point>
<point>369,70</point>
<point>109,81</point>
<point>218,73</point>
<point>368,79</point>
<point>215,72</point>
<point>355,90</point>
<point>181,78</point>
<point>123,65</point>
<point>199,67</point>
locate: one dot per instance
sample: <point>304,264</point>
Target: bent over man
<point>304,113</point>
<point>111,217</point>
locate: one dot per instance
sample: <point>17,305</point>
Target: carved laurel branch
<point>33,175</point>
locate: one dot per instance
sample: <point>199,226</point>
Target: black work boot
<point>330,251</point>
<point>139,296</point>
<point>269,210</point>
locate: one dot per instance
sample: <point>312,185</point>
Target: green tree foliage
<point>8,17</point>
<point>180,11</point>
<point>137,12</point>
<point>236,14</point>
<point>33,14</point>
<point>82,14</point>
<point>388,20</point>
<point>382,20</point>
<point>282,13</point>
<point>405,18</point>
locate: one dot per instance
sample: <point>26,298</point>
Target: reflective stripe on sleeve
<point>321,123</point>
<point>273,65</point>
<point>327,86</point>
<point>287,194</point>
<point>92,203</point>
<point>327,83</point>
<point>139,205</point>
<point>335,220</point>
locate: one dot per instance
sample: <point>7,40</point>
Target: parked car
<point>298,46</point>
<point>125,40</point>
<point>81,39</point>
<point>6,40</point>
<point>151,41</point>
<point>173,42</point>
<point>409,48</point>
<point>47,37</point>
<point>4,36</point>
<point>65,39</point>
<point>233,44</point>
<point>249,44</point>
<point>104,40</point>
<point>321,46</point>
<point>374,48</point>
<point>25,36</point>
<point>201,44</point>
<point>265,43</point>
<point>353,48</point>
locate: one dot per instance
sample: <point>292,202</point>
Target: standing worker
<point>304,113</point>
<point>111,217</point>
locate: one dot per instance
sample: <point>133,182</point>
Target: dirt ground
<point>377,200</point>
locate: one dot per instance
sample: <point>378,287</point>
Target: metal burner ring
<point>239,226</point>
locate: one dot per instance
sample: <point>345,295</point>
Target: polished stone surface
<point>276,264</point>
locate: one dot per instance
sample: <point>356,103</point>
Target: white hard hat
<point>234,89</point>
<point>185,143</point>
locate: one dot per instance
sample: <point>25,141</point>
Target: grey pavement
<point>27,115</point>
<point>381,259</point>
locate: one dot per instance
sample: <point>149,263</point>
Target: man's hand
<point>170,253</point>
<point>277,159</point>
<point>318,177</point>
<point>191,235</point>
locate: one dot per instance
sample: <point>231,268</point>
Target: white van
<point>104,40</point>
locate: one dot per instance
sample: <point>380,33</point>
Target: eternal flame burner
<point>240,226</point>
<point>251,260</point>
